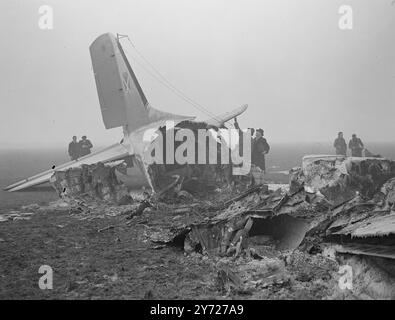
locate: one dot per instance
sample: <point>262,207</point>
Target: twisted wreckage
<point>334,205</point>
<point>349,202</point>
<point>124,104</point>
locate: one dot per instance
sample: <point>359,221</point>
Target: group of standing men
<point>355,145</point>
<point>259,146</point>
<point>78,149</point>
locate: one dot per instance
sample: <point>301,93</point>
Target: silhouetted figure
<point>74,149</point>
<point>356,146</point>
<point>85,146</point>
<point>340,145</point>
<point>259,149</point>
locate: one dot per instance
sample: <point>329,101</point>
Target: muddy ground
<point>89,264</point>
<point>122,263</point>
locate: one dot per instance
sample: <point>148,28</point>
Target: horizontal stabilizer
<point>218,121</point>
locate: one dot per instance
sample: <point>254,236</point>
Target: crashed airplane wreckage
<point>347,204</point>
<point>335,203</point>
<point>124,104</point>
<point>337,212</point>
<point>362,222</point>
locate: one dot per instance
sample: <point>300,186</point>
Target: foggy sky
<point>303,78</point>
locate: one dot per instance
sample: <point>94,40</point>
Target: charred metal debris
<point>335,206</point>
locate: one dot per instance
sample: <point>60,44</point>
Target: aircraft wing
<point>111,153</point>
<point>218,121</point>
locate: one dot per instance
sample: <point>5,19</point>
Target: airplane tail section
<point>122,101</point>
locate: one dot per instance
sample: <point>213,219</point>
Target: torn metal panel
<point>96,181</point>
<point>388,193</point>
<point>356,203</point>
<point>367,250</point>
<point>363,228</point>
<point>348,218</point>
<point>350,212</point>
<point>376,226</point>
<point>257,214</point>
<point>340,178</point>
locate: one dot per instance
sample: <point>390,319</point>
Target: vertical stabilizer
<point>122,101</point>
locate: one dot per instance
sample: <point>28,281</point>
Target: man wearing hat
<point>260,147</point>
<point>340,145</point>
<point>356,146</point>
<point>85,146</point>
<point>74,149</point>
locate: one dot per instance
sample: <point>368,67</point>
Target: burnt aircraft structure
<point>334,204</point>
<point>124,104</point>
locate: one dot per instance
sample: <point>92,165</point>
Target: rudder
<point>121,98</point>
